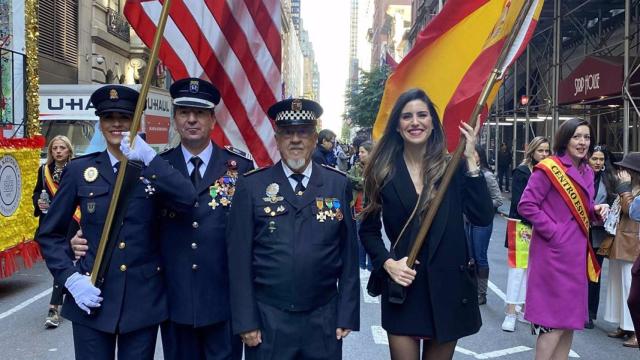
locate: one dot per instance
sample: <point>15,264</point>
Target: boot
<point>483,279</point>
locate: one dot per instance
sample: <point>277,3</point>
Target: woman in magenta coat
<point>557,281</point>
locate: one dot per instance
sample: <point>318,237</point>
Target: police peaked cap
<point>114,98</point>
<point>194,92</point>
<point>292,112</point>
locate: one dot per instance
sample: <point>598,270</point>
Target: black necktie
<point>195,174</point>
<point>299,186</point>
<point>116,167</point>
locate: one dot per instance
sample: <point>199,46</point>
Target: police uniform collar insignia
<point>113,95</point>
<point>272,194</point>
<point>90,174</point>
<point>194,86</point>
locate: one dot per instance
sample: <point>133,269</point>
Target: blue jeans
<point>365,259</point>
<point>478,240</point>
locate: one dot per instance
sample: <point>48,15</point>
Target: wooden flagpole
<point>135,125</point>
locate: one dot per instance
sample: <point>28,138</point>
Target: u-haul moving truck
<point>66,110</point>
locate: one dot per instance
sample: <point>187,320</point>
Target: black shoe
<point>589,324</point>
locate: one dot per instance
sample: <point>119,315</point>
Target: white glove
<point>141,151</point>
<point>84,293</point>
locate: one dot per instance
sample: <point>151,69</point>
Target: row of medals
<point>329,212</point>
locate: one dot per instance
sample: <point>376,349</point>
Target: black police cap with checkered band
<point>292,112</point>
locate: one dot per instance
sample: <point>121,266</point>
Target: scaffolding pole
<point>627,110</point>
<point>526,108</point>
<point>514,143</point>
<point>555,116</point>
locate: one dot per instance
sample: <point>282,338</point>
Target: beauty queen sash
<point>576,200</point>
<point>53,189</point>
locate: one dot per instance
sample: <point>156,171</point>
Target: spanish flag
<point>454,56</point>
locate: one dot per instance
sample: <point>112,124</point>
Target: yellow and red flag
<point>454,56</point>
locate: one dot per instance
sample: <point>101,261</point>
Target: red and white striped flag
<point>235,44</point>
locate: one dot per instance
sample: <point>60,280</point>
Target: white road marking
<point>364,279</point>
<point>497,291</point>
<point>379,335</point>
<point>573,354</point>
<point>501,295</point>
<point>25,303</point>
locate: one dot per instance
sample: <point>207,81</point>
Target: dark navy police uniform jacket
<point>193,242</point>
<point>287,251</point>
<point>133,290</point>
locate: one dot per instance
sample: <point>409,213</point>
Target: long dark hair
<point>565,133</point>
<point>608,175</point>
<point>381,166</point>
<point>482,155</point>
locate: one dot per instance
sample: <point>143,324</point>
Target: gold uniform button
<point>194,267</point>
<point>123,267</point>
<point>122,245</point>
<point>195,225</point>
<point>194,246</point>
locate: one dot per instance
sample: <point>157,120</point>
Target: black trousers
<point>303,335</point>
<point>594,292</point>
<point>503,173</point>
<point>212,342</point>
<point>57,294</point>
<point>92,344</point>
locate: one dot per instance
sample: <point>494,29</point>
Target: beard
<point>295,164</point>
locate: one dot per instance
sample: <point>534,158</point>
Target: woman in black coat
<point>441,303</point>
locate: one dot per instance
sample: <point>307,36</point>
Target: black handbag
<point>396,292</point>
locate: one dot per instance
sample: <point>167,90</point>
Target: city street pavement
<point>24,298</point>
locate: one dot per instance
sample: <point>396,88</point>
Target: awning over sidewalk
<point>597,77</point>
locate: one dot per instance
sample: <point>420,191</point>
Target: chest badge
<point>91,207</point>
<point>90,174</point>
<point>272,194</point>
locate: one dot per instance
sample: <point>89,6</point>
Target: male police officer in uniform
<point>293,253</point>
<point>193,243</point>
<point>132,300</point>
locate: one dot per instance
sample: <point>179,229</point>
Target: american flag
<point>235,44</point>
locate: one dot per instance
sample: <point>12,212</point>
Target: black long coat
<point>441,303</point>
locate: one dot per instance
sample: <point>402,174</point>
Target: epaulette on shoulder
<point>166,151</point>
<point>86,156</point>
<point>254,171</point>
<point>238,152</point>
<point>334,169</point>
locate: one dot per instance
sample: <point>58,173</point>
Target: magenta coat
<point>557,275</point>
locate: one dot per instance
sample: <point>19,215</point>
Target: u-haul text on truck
<point>66,110</point>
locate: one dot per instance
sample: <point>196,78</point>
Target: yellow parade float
<point>20,153</point>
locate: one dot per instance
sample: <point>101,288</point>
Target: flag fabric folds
<point>518,240</point>
<point>454,55</point>
<point>235,44</point>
